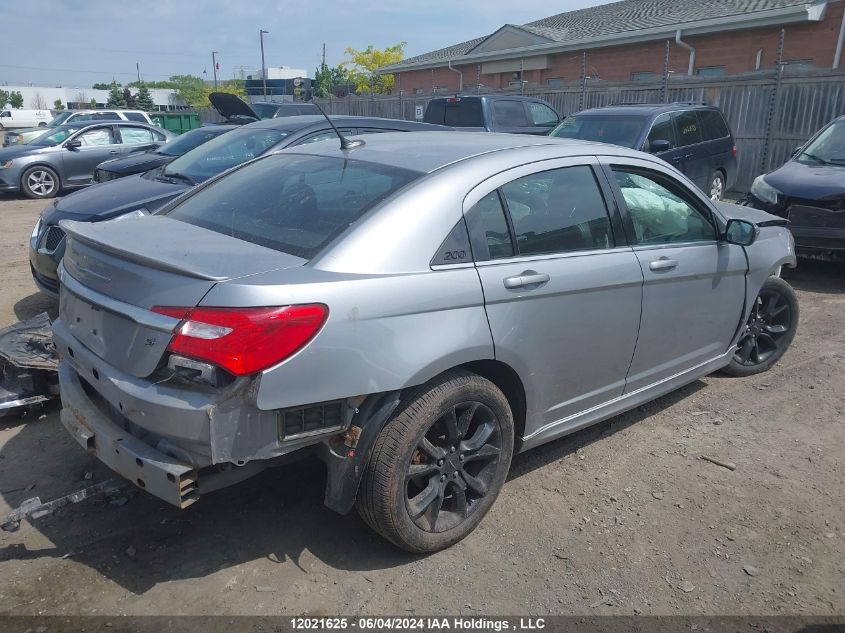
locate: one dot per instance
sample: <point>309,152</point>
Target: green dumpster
<point>176,122</point>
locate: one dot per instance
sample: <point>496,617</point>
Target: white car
<point>72,116</point>
<point>12,118</point>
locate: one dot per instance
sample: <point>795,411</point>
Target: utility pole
<point>138,70</point>
<point>214,66</point>
<point>324,56</point>
<point>261,33</point>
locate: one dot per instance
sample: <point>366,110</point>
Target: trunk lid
<point>114,272</point>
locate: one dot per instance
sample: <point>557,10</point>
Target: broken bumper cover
<point>159,474</point>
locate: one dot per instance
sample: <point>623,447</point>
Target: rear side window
<point>689,129</point>
<point>713,124</point>
<point>292,203</point>
<point>488,228</point>
<point>556,211</point>
<point>135,116</point>
<point>135,135</point>
<point>509,114</point>
<point>542,115</point>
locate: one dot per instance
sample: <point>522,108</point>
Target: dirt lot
<point>622,518</point>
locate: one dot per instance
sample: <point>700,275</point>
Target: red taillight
<point>733,151</point>
<point>453,99</point>
<point>243,340</point>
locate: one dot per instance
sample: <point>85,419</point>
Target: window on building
<point>799,63</point>
<point>644,75</point>
<point>418,91</point>
<point>556,82</point>
<point>710,71</point>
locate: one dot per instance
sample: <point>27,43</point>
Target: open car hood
<point>750,214</point>
<point>231,106</point>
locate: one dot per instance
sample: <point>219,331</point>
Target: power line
<point>75,70</point>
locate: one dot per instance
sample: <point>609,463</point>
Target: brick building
<point>627,40</point>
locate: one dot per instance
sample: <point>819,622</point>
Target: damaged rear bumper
<point>157,473</point>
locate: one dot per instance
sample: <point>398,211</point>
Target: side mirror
<point>740,232</point>
<point>660,145</point>
<point>795,151</point>
<point>73,145</point>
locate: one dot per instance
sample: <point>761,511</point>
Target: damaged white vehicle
<point>415,309</point>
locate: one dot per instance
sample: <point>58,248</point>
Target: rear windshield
<point>460,113</point>
<point>616,130</point>
<point>264,110</point>
<point>290,202</point>
<point>223,152</point>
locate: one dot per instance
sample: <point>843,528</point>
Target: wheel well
<point>506,379</point>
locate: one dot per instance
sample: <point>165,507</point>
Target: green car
<point>19,137</point>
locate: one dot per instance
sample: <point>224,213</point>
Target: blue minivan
<point>694,138</point>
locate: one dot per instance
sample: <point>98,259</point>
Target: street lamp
<point>263,66</point>
<point>214,66</point>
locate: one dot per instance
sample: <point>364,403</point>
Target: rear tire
<point>439,463</point>
<point>769,330</point>
<point>717,185</point>
<point>40,182</point>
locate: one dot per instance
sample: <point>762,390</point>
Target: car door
<point>695,160</point>
<point>97,144</point>
<point>562,289</point>
<point>694,288</point>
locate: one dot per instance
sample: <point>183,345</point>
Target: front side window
<point>97,136</point>
<point>542,115</point>
<point>660,211</point>
<point>290,202</point>
<point>225,151</point>
<point>136,135</point>
<point>488,228</point>
<point>556,211</point>
<point>689,129</point>
<point>508,113</point>
<point>662,130</point>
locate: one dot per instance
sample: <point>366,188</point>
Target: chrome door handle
<point>528,278</point>
<point>114,151</point>
<point>663,264</point>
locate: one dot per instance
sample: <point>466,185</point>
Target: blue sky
<point>80,42</point>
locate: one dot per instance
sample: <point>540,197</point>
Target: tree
<point>16,99</point>
<point>129,99</point>
<point>362,67</point>
<point>116,99</point>
<point>192,90</point>
<point>101,86</point>
<point>58,105</point>
<point>326,79</point>
<point>38,102</point>
<point>93,104</point>
<point>144,100</point>
<point>4,99</point>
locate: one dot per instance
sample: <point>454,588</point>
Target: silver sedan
<point>414,309</point>
<point>64,157</point>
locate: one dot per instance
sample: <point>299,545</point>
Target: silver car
<point>414,310</point>
<point>64,157</point>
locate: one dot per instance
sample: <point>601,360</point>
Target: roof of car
<point>489,98</point>
<point>428,151</point>
<point>645,109</point>
<point>303,121</point>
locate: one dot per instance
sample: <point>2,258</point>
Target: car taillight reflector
<point>733,151</point>
<point>243,340</point>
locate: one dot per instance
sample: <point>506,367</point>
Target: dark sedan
<point>145,193</point>
<point>139,162</point>
<point>809,190</point>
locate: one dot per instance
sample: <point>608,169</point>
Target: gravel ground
<point>622,518</point>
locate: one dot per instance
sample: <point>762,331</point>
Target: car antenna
<point>345,143</point>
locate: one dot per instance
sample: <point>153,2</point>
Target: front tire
<point>439,463</point>
<point>40,182</point>
<point>769,331</point>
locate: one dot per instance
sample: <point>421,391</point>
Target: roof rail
<point>700,103</point>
